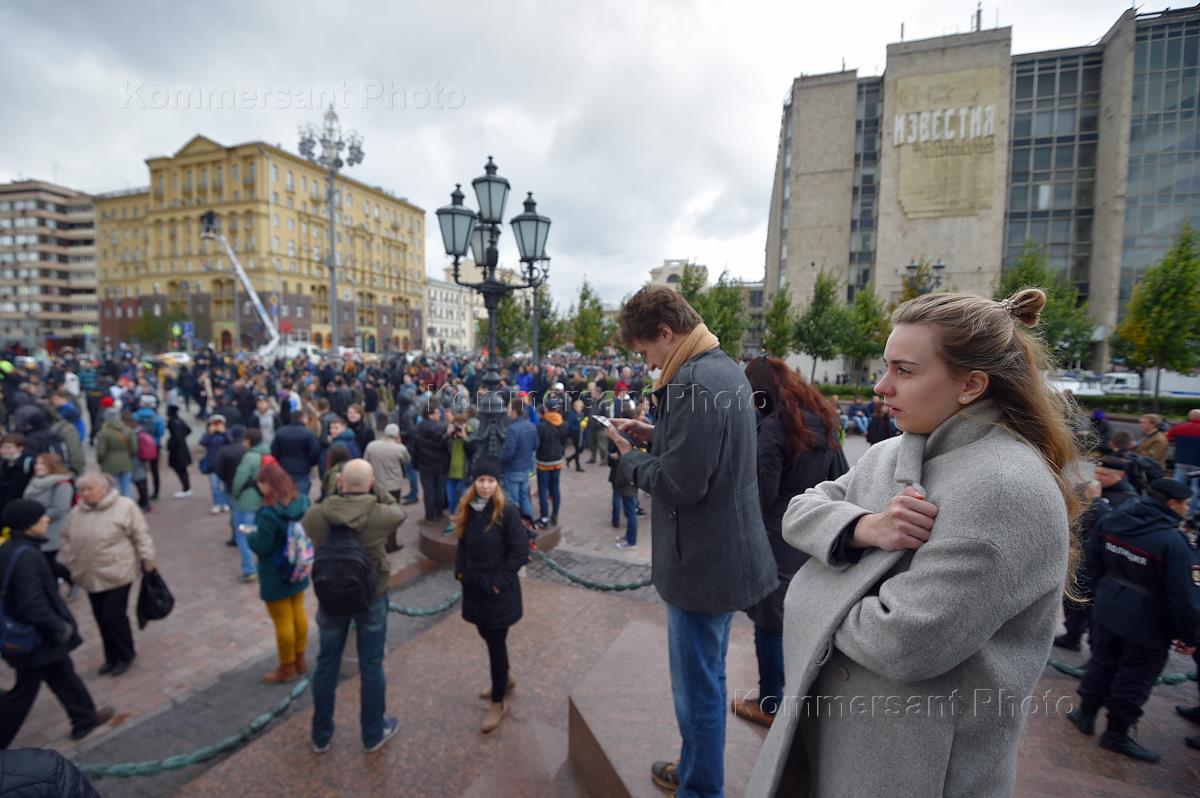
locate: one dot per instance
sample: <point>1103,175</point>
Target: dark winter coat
<point>213,443</point>
<point>363,434</point>
<point>296,449</point>
<point>430,448</point>
<point>33,598</point>
<point>1145,575</point>
<point>710,552</point>
<point>178,456</point>
<point>267,540</point>
<point>14,478</point>
<point>489,557</point>
<point>41,773</point>
<point>782,475</point>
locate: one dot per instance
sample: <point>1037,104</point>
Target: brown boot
<point>301,668</point>
<point>495,713</point>
<point>281,675</point>
<point>750,710</point>
<point>512,684</point>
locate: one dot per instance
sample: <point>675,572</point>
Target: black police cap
<point>1170,488</point>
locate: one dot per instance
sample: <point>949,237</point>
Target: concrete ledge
<point>441,548</point>
<point>621,717</point>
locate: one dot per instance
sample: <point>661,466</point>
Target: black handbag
<point>155,601</point>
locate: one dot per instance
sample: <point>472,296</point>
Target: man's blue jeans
<point>629,504</point>
<point>698,643</point>
<point>303,484</point>
<point>549,494</point>
<point>242,518</point>
<point>515,485</point>
<point>219,498</point>
<point>124,482</point>
<point>371,628</point>
<point>414,481</point>
<point>454,491</point>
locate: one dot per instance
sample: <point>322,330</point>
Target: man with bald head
<point>370,516</point>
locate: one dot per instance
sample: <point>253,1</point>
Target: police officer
<point>1115,487</point>
<point>1077,616</point>
<point>1142,567</point>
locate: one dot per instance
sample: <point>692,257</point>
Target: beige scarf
<point>697,341</point>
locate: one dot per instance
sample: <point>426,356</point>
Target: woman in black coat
<point>797,449</point>
<point>493,545</point>
<point>31,597</point>
<point>178,456</point>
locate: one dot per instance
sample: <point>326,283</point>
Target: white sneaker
<point>182,494</point>
<point>215,510</point>
<point>224,508</point>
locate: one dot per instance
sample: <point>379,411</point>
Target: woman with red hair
<point>284,597</point>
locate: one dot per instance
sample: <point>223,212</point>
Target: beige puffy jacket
<point>103,546</point>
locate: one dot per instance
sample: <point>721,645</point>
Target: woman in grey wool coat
<point>917,630</point>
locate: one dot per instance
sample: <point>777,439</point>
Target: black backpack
<point>343,577</point>
<point>1141,471</point>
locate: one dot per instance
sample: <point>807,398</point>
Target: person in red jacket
<point>1186,437</point>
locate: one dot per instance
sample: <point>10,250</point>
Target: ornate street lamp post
<point>463,228</point>
<point>332,143</point>
<point>925,282</point>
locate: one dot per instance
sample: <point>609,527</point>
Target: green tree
<point>154,332</point>
<point>780,325</point>
<point>552,333</point>
<point>691,286</point>
<point>587,326</point>
<point>1162,322</point>
<point>512,330</point>
<point>1065,325</point>
<point>724,314</point>
<point>867,331</point>
<point>821,329</point>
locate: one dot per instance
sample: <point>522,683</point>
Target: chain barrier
<point>238,738</point>
<point>1166,678</point>
<point>589,583</point>
<point>260,723</point>
<point>425,612</point>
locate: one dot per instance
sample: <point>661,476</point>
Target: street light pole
<point>332,143</point>
<point>462,229</point>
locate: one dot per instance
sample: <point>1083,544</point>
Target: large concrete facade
<point>943,160</point>
<point>962,153</point>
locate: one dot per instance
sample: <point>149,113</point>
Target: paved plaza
<point>195,681</point>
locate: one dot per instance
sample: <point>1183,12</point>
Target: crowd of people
<point>755,510</point>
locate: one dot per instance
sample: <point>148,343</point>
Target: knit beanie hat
<point>23,513</point>
<point>485,467</point>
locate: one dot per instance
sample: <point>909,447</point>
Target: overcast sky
<point>647,129</point>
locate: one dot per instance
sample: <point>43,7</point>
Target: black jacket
<point>178,455</point>
<point>429,447</point>
<point>233,416</point>
<point>489,557</point>
<point>1146,575</point>
<point>41,773</point>
<point>710,551</point>
<point>296,449</point>
<point>14,478</point>
<point>552,441</point>
<point>363,434</point>
<point>1119,493</point>
<point>783,474</point>
<point>227,462</point>
<point>33,598</point>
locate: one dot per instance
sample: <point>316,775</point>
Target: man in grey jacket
<point>710,555</point>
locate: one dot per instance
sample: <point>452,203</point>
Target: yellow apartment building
<point>271,207</point>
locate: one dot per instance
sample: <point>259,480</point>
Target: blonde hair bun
<point>1026,305</point>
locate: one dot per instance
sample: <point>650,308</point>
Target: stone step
<point>621,717</point>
